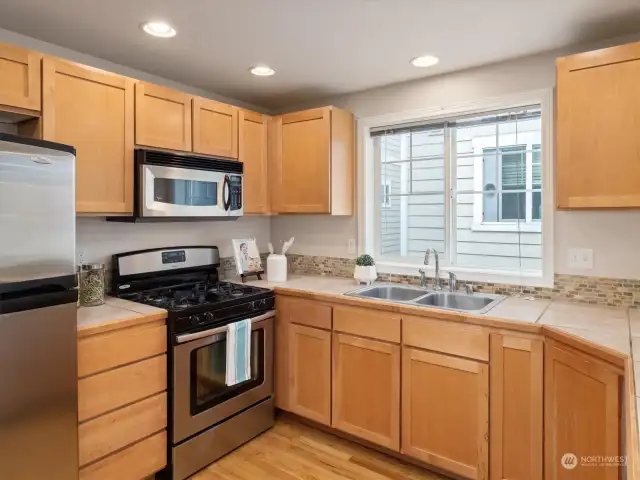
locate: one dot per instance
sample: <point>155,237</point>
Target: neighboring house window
<point>470,186</point>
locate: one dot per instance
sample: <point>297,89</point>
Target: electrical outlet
<point>351,245</point>
<point>80,256</point>
<point>581,258</point>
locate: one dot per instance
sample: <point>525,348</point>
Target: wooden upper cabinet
<point>598,146</point>
<point>215,128</point>
<point>313,168</point>
<point>445,412</point>
<point>163,117</point>
<point>20,85</point>
<point>252,152</point>
<point>310,373</point>
<point>516,407</point>
<point>93,111</point>
<point>366,389</point>
<point>582,413</point>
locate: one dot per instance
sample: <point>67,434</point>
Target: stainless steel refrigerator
<point>38,350</point>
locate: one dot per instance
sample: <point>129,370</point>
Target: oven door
<point>200,396</point>
<point>183,192</point>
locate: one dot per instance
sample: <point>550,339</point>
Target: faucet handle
<point>453,280</point>
<point>469,289</point>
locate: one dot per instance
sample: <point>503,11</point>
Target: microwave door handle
<point>187,337</point>
<point>226,193</point>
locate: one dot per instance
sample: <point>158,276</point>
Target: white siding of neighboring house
<point>425,220</point>
<point>390,217</point>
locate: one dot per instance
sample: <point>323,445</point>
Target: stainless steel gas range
<point>208,419</point>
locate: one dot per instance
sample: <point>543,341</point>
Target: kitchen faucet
<point>423,272</point>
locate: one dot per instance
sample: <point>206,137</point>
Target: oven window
<point>185,192</point>
<point>208,367</point>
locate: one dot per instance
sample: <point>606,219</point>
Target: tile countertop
<point>604,326</point>
<point>115,313</point>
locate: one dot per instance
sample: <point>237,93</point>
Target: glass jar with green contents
<point>91,284</point>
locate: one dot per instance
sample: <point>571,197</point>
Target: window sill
<point>534,227</point>
<point>527,278</point>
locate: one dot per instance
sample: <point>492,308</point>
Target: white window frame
<point>369,205</point>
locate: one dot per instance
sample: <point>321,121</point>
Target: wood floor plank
<point>292,451</point>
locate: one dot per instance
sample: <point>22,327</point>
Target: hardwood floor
<point>292,451</point>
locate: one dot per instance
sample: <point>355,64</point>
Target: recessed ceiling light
<point>262,71</point>
<point>159,29</point>
<point>425,61</point>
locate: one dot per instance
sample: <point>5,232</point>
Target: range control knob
<point>252,305</point>
<point>195,319</point>
<point>263,302</point>
<point>209,316</point>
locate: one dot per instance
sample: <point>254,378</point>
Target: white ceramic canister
<point>276,268</point>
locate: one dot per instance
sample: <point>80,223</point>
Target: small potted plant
<point>365,269</point>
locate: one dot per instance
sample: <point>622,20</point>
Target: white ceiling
<point>317,47</point>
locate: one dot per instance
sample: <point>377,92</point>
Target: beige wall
<point>613,235</point>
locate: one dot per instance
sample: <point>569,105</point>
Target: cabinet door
<point>516,408</point>
<point>582,414</point>
<point>253,154</point>
<point>163,117</point>
<point>19,77</point>
<point>366,389</point>
<point>445,412</point>
<point>93,111</point>
<point>215,128</point>
<point>310,373</point>
<point>598,145</point>
<point>303,169</point>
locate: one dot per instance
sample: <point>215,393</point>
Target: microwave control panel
<point>235,192</point>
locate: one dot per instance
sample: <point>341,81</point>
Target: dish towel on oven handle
<point>238,352</point>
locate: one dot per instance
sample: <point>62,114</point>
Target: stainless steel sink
<point>399,293</point>
<point>477,303</point>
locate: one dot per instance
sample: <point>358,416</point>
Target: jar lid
<point>91,266</point>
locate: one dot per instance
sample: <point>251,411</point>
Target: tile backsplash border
<point>612,292</point>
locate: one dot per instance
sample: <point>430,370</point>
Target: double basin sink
<point>456,301</point>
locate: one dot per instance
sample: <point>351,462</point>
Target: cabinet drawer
<point>133,463</point>
<point>305,312</point>
<point>367,323</point>
<point>109,350</point>
<point>106,434</point>
<point>107,391</point>
<point>468,341</point>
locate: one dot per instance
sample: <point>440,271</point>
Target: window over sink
<point>474,184</point>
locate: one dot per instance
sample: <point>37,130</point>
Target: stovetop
<point>199,296</point>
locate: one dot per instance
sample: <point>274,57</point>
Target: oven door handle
<point>187,337</point>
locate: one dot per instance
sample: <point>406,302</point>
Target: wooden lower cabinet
<point>310,373</point>
<point>582,414</point>
<point>366,389</point>
<point>516,371</point>
<point>445,412</point>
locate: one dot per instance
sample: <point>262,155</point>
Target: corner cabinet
<point>445,412</point>
<point>163,117</point>
<point>20,78</point>
<point>313,163</point>
<point>598,146</point>
<point>252,153</point>
<point>215,128</point>
<point>93,111</point>
<point>582,413</point>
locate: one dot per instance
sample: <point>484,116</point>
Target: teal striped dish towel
<point>238,352</point>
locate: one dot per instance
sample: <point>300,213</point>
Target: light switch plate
<point>351,245</point>
<point>581,258</point>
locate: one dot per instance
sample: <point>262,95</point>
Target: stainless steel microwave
<point>172,186</point>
